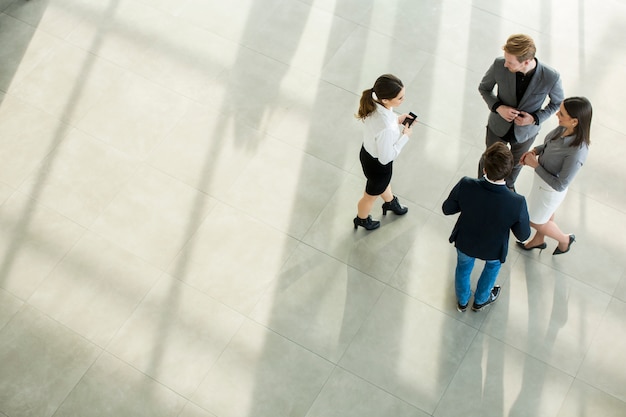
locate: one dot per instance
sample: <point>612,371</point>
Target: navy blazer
<point>545,83</point>
<point>488,212</point>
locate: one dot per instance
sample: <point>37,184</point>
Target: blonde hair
<point>521,46</point>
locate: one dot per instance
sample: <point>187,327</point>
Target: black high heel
<point>558,251</point>
<point>395,206</point>
<point>540,247</point>
<point>367,224</point>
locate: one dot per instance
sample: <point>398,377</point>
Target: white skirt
<point>543,201</point>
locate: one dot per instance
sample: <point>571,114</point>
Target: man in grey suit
<point>517,109</point>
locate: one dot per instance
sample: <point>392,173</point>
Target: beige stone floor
<point>178,180</point>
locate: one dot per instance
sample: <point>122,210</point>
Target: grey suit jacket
<point>546,82</point>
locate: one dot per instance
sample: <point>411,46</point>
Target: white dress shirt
<point>382,135</point>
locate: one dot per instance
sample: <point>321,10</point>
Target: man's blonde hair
<point>521,46</point>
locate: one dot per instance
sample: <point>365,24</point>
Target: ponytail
<point>386,87</point>
<point>367,105</point>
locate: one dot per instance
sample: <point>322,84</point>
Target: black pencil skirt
<point>378,175</point>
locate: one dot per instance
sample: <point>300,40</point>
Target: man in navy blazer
<point>489,210</point>
<point>517,109</point>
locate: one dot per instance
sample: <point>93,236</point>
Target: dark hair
<point>580,108</point>
<point>498,161</point>
<point>387,86</point>
<point>521,46</point>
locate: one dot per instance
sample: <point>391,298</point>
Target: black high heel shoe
<point>367,224</point>
<point>558,251</point>
<point>540,247</point>
<point>394,205</point>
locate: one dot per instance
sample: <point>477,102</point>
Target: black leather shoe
<point>394,205</point>
<point>558,251</point>
<point>495,293</point>
<point>540,247</point>
<point>368,223</point>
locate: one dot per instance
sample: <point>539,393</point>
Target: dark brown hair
<point>387,86</point>
<point>580,108</point>
<point>498,161</point>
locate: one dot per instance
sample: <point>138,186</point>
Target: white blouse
<point>382,135</point>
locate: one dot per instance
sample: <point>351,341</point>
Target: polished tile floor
<point>178,180</point>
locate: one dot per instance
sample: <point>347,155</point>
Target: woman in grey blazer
<point>556,163</point>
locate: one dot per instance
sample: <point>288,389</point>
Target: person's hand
<point>508,113</point>
<point>404,117</point>
<point>529,158</point>
<point>524,119</point>
<point>407,130</point>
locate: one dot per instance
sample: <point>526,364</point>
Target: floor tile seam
<point>38,202</point>
<point>304,150</point>
<point>218,358</point>
<point>592,338</point>
<point>238,209</point>
<point>101,347</point>
<point>456,372</point>
<point>600,389</point>
<point>108,347</point>
<point>621,210</point>
<point>137,166</point>
<point>307,152</point>
<point>36,27</point>
<point>303,241</point>
<point>89,225</point>
<point>62,130</point>
<point>88,53</point>
<point>126,73</point>
<point>583,356</point>
<point>22,229</point>
<point>320,390</point>
<point>62,258</point>
<point>109,343</point>
<point>124,70</point>
<point>141,165</point>
<point>450,313</point>
<point>327,58</point>
<point>153,379</point>
<point>512,22</point>
<point>528,354</point>
<point>348,344</point>
<point>315,74</point>
<point>366,26</point>
<point>77,384</point>
<point>566,396</point>
<point>27,305</point>
<point>165,276</point>
<point>569,275</point>
<point>291,341</point>
<point>357,330</point>
<point>213,33</point>
<point>162,270</point>
<point>344,262</point>
<point>381,388</point>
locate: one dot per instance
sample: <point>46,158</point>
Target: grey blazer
<point>545,83</point>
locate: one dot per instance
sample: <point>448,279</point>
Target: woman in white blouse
<point>384,136</point>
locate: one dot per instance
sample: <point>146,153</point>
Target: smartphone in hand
<point>408,121</point>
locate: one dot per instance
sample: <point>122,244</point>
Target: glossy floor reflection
<point>178,180</point>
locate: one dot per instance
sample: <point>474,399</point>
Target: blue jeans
<point>464,266</point>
